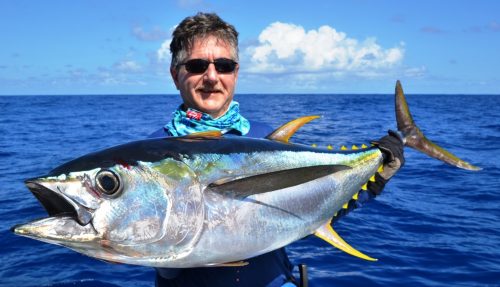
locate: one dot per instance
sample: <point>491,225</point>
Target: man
<point>204,69</point>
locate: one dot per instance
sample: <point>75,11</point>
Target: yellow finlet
<point>286,131</point>
<point>365,186</point>
<point>329,235</point>
<point>380,168</point>
<point>343,147</point>
<point>345,205</point>
<point>330,147</point>
<point>355,197</point>
<point>363,146</point>
<point>354,147</point>
<point>372,179</point>
<point>314,145</point>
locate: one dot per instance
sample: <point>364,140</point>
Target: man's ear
<point>237,70</point>
<point>174,74</point>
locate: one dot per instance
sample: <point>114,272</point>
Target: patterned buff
<point>192,121</point>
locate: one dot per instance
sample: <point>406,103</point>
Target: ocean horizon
<point>247,94</point>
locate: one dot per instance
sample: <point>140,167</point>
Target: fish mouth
<point>69,222</point>
<point>56,203</point>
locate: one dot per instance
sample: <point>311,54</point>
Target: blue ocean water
<point>434,225</point>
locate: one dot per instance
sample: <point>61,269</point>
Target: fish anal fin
<point>329,235</point>
<point>261,183</point>
<point>286,131</point>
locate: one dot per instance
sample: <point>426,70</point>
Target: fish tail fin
<point>413,137</point>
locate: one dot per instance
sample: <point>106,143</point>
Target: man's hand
<point>392,146</point>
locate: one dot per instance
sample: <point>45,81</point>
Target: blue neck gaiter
<point>192,121</point>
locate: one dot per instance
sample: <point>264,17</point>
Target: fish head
<point>113,212</point>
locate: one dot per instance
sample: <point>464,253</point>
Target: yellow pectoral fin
<point>327,233</point>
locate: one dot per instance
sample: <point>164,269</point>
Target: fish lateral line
<point>273,207</point>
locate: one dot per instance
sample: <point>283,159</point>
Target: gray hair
<point>201,26</point>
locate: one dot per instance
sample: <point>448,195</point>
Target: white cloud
<point>289,48</point>
<point>128,66</point>
<point>163,53</point>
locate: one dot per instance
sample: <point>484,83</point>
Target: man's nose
<point>211,74</point>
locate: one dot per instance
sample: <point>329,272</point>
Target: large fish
<point>205,199</point>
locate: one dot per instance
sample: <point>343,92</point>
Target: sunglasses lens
<point>197,66</point>
<point>222,65</point>
<point>225,65</point>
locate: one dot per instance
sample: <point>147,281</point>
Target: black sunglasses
<point>198,66</point>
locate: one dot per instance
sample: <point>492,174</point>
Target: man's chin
<point>214,110</point>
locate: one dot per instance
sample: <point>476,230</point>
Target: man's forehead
<point>210,45</point>
<point>206,40</point>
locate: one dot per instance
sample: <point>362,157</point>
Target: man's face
<point>210,92</point>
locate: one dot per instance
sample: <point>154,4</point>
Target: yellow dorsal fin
<point>205,134</point>
<point>329,235</point>
<point>286,131</point>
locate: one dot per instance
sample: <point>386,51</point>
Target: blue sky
<point>118,47</point>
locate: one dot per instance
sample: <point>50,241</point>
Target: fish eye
<point>108,182</point>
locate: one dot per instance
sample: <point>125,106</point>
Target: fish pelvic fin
<point>413,137</point>
<point>329,235</point>
<point>286,131</point>
<point>231,264</point>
